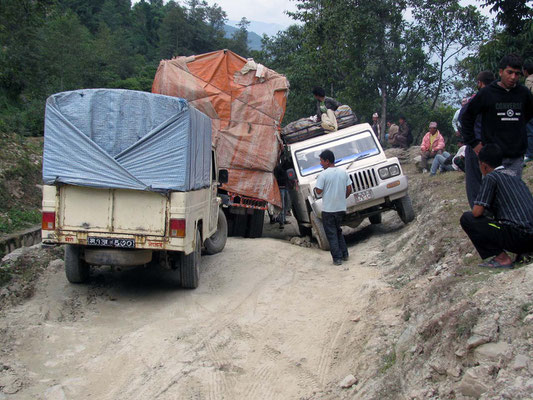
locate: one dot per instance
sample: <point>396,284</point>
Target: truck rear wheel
<point>215,244</point>
<point>255,224</point>
<point>190,265</point>
<point>76,269</point>
<point>404,207</point>
<point>318,232</point>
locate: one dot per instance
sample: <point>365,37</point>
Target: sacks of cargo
<point>113,138</point>
<point>306,128</point>
<point>246,102</point>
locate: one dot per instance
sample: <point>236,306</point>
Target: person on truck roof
<point>335,186</point>
<point>325,109</point>
<point>324,103</point>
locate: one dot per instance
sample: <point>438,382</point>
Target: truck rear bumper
<point>142,242</point>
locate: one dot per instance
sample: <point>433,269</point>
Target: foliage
<point>449,30</point>
<point>50,46</point>
<point>515,37</point>
<point>512,14</point>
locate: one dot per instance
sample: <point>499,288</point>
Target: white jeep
<point>378,184</point>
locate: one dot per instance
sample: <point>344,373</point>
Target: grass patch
<point>389,360</point>
<point>15,219</point>
<point>525,310</point>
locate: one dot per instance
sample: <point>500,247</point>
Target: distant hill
<point>254,40</point>
<point>262,27</point>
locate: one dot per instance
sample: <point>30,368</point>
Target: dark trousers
<point>332,226</point>
<point>491,238</point>
<point>472,175</point>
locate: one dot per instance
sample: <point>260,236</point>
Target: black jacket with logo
<point>504,115</point>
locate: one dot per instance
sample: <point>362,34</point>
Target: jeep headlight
<point>394,170</point>
<point>389,172</point>
<point>384,173</point>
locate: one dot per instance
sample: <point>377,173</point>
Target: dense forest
<point>411,57</point>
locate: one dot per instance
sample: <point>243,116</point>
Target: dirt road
<point>264,324</point>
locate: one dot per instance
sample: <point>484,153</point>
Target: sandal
<point>495,264</point>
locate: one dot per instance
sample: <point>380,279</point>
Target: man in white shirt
<point>335,186</point>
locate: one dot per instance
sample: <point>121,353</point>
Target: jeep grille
<point>362,180</point>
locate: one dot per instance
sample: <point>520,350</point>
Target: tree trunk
<point>383,122</point>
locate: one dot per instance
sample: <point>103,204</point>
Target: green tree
<point>240,38</point>
<point>449,30</point>
<point>512,14</point>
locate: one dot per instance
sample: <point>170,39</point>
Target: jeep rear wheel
<point>318,232</point>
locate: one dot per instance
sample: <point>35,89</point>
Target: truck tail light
<point>49,221</point>
<point>177,228</point>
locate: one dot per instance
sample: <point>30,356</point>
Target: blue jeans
<point>332,226</point>
<point>438,163</point>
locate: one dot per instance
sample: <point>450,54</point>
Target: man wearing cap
<point>432,144</point>
<point>376,126</point>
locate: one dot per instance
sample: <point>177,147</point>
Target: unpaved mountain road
<point>265,323</point>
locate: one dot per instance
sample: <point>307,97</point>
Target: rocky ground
<point>410,316</point>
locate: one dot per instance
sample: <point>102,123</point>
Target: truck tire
<point>215,244</point>
<point>190,265</point>
<point>404,207</point>
<point>318,232</point>
<point>255,224</point>
<point>237,224</point>
<point>76,269</point>
<point>375,219</point>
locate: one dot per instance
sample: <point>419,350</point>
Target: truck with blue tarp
<point>130,178</point>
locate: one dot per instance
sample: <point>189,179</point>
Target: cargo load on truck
<point>307,128</point>
<point>106,138</point>
<point>246,102</point>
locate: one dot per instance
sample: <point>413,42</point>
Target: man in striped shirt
<point>508,198</point>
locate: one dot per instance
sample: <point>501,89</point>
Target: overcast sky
<point>273,11</point>
<point>258,10</point>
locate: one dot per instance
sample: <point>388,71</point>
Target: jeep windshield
<point>346,150</point>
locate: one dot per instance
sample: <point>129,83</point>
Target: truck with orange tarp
<point>246,102</point>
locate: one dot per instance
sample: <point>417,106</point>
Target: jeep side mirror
<point>318,196</point>
<point>223,176</point>
<point>291,174</point>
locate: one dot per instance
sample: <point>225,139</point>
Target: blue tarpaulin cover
<point>114,138</point>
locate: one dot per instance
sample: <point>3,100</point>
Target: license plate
<point>363,195</point>
<point>111,242</point>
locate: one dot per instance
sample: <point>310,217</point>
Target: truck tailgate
<point>112,211</point>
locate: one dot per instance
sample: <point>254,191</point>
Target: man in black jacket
<point>505,107</point>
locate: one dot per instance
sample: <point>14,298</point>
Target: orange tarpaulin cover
<point>246,102</point>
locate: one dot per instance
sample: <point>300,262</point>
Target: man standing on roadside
<point>335,186</point>
<point>376,127</point>
<point>505,107</point>
<point>472,173</point>
<point>528,73</point>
